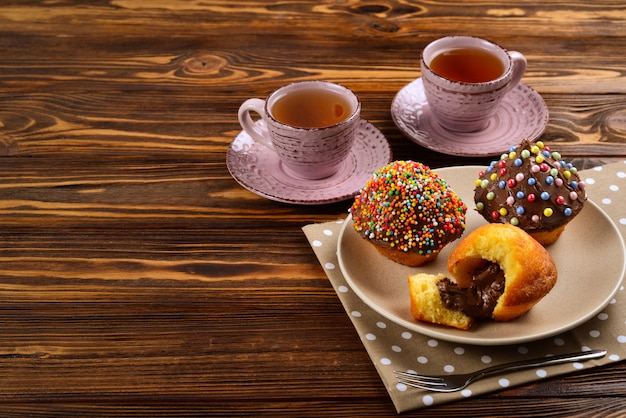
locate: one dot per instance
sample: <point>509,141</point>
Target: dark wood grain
<point>137,278</point>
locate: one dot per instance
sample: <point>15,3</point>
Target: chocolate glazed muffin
<point>533,188</point>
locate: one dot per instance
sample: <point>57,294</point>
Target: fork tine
<point>418,381</point>
<point>427,386</point>
<point>415,376</point>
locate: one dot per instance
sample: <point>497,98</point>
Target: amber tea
<point>468,65</point>
<point>313,108</point>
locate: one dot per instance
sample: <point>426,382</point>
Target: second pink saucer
<point>522,115</point>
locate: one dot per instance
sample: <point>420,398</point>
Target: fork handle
<point>527,364</point>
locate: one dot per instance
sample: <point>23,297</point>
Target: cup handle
<point>518,62</point>
<point>256,131</point>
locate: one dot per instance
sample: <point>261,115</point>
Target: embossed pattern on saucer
<point>258,169</point>
<point>522,115</point>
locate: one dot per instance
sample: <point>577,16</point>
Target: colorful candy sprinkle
<point>409,207</point>
<point>530,186</point>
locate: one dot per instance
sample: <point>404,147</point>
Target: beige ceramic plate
<point>590,258</point>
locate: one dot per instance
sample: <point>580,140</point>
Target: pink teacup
<point>311,125</point>
<point>460,100</point>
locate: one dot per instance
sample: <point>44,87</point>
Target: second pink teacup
<point>465,79</point>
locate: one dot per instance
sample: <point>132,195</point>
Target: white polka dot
<point>396,348</point>
<point>585,348</point>
<point>329,266</point>
<point>590,181</point>
<point>356,314</point>
<point>606,201</point>
<point>613,188</point>
<point>459,350</point>
<point>428,400</point>
<point>594,333</point>
<point>603,316</point>
<point>343,289</point>
<point>577,365</point>
<point>541,373</point>
<point>621,174</point>
<point>317,243</point>
<point>622,221</point>
<point>466,393</point>
<point>485,359</point>
<point>597,168</point>
<point>328,232</point>
<point>433,343</point>
<point>448,368</point>
<point>407,335</point>
<point>422,360</point>
<point>613,301</point>
<point>621,338</point>
<point>385,361</point>
<point>504,382</point>
<point>614,357</point>
<point>559,341</point>
<point>381,325</point>
<point>522,350</point>
<point>370,337</point>
<point>401,387</point>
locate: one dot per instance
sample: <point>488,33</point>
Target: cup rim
<point>474,41</point>
<point>278,93</point>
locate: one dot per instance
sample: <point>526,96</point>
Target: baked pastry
<point>427,304</point>
<point>532,188</point>
<point>502,250</point>
<point>408,213</point>
<point>499,272</point>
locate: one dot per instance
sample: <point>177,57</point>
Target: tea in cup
<point>311,125</point>
<point>465,79</point>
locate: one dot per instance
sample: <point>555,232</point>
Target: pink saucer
<point>259,170</point>
<point>522,115</point>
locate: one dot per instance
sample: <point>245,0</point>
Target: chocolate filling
<point>478,299</point>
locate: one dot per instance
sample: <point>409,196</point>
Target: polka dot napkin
<point>393,347</point>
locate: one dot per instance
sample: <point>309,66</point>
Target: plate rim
<point>440,332</point>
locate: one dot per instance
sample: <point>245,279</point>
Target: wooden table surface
<point>137,278</point>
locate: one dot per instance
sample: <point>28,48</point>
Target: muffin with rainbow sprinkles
<point>533,188</point>
<point>408,213</point>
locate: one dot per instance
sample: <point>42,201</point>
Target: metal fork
<point>454,382</point>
